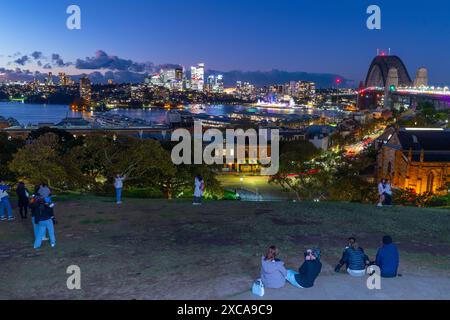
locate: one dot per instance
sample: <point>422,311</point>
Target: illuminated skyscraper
<point>85,90</point>
<point>50,79</point>
<point>63,79</point>
<point>198,77</point>
<point>179,74</point>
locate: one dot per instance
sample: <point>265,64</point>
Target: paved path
<point>344,287</point>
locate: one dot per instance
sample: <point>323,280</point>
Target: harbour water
<point>41,113</point>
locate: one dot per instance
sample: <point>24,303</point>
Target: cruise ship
<point>275,105</point>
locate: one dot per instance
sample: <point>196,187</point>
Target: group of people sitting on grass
<point>274,273</point>
<point>41,205</point>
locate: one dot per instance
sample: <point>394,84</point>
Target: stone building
<point>415,158</point>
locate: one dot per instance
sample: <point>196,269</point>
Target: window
<point>430,182</point>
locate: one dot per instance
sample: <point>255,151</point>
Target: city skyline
<point>313,38</point>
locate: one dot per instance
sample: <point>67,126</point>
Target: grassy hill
<point>171,249</point>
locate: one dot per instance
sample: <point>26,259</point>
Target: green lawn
<point>158,249</point>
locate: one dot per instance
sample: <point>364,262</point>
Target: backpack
<point>258,288</point>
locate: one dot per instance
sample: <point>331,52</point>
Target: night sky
<point>324,36</point>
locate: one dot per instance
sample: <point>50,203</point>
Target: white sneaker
<point>45,239</point>
<point>53,245</point>
<point>379,205</point>
<point>119,202</point>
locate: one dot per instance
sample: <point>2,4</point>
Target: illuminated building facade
<point>86,90</point>
<point>416,158</point>
<point>198,77</point>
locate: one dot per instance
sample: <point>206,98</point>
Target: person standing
<point>387,193</point>
<point>22,199</point>
<point>34,207</point>
<point>44,219</point>
<point>381,192</point>
<point>5,204</point>
<point>44,191</point>
<point>118,186</point>
<point>199,188</point>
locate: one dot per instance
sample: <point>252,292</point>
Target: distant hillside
<point>265,78</point>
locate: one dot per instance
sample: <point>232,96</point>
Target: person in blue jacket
<point>388,258</point>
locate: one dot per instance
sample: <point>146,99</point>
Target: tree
<point>40,161</point>
<point>8,147</point>
<point>102,156</point>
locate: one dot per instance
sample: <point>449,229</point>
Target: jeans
<point>42,227</point>
<point>5,205</point>
<point>387,199</point>
<point>23,210</point>
<point>119,195</point>
<point>291,278</point>
<point>197,199</point>
<point>35,228</point>
<point>356,273</point>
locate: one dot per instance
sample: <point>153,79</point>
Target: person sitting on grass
<point>308,272</point>
<point>354,258</point>
<point>388,258</point>
<point>273,272</point>
<point>341,263</point>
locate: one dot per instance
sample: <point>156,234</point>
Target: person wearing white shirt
<point>118,185</point>
<point>381,192</point>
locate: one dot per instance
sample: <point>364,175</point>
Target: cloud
<point>58,61</point>
<point>37,55</point>
<point>22,60</point>
<point>102,60</point>
<point>47,66</point>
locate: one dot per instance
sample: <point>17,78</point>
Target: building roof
<point>435,144</point>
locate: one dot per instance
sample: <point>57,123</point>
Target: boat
<point>275,105</point>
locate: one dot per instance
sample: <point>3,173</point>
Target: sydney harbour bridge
<point>388,85</point>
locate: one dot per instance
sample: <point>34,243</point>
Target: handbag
<point>258,288</point>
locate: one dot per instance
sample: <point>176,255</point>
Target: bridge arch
<point>379,69</point>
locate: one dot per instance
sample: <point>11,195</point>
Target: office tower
<point>179,74</point>
<point>198,77</point>
<point>50,79</point>
<point>85,90</point>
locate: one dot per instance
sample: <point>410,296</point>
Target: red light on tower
<point>338,81</point>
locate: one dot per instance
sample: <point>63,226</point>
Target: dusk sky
<point>326,36</point>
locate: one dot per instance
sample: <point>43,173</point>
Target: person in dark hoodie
<point>273,272</point>
<point>34,204</point>
<point>44,218</point>
<point>22,199</point>
<point>308,272</point>
<point>388,258</point>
